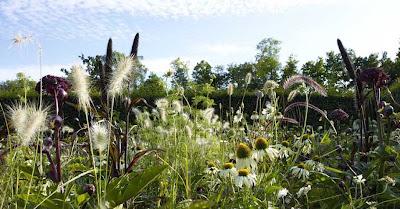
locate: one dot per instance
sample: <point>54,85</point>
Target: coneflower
<point>119,76</point>
<point>296,79</point>
<point>80,85</point>
<point>27,121</point>
<point>244,158</point>
<point>100,135</point>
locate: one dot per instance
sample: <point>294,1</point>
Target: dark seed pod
<point>56,122</point>
<point>48,143</point>
<point>388,110</point>
<point>342,185</point>
<point>89,188</point>
<point>339,148</point>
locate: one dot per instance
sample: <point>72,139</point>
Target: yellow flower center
<point>285,143</point>
<point>261,143</point>
<point>243,172</point>
<point>228,165</point>
<point>243,151</point>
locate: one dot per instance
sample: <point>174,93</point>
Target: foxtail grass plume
<point>270,85</point>
<point>27,121</point>
<point>296,79</point>
<point>119,76</point>
<point>248,78</point>
<point>230,89</point>
<point>101,136</point>
<point>80,85</point>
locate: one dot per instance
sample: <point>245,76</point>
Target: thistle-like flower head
<point>54,86</point>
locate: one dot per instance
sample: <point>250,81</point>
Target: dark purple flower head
<point>374,77</point>
<point>338,114</point>
<point>54,86</point>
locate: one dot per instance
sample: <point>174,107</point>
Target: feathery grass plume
<point>100,134</point>
<point>27,121</point>
<point>248,78</point>
<point>292,95</point>
<point>119,76</point>
<point>304,104</point>
<point>19,40</point>
<point>162,103</point>
<point>270,85</point>
<point>307,80</point>
<point>80,85</point>
<point>230,89</point>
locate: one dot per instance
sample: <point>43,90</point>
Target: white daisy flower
<point>284,150</point>
<point>211,168</point>
<point>262,149</point>
<point>300,171</point>
<point>359,179</point>
<point>282,193</point>
<point>314,165</point>
<point>244,157</point>
<point>303,191</point>
<point>228,171</point>
<point>245,178</point>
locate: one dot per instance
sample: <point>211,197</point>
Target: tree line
<point>328,70</point>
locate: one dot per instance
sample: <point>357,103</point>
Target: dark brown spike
<point>346,59</point>
<point>135,45</point>
<point>109,59</point>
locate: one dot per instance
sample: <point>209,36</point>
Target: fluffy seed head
<point>27,121</point>
<point>243,151</point>
<point>230,89</point>
<point>100,135</point>
<point>248,78</point>
<point>162,103</point>
<point>119,76</point>
<point>296,79</point>
<point>261,143</point>
<point>270,85</point>
<point>80,85</point>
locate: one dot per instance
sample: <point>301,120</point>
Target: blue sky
<point>219,31</point>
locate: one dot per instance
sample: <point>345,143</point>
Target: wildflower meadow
<point>85,141</point>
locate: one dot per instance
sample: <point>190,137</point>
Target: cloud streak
<point>69,19</point>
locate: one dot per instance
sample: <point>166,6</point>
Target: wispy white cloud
<point>67,19</point>
<point>227,49</point>
<point>33,71</point>
<point>160,66</point>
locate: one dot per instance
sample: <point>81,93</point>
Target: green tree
<point>22,86</point>
<point>202,73</point>
<point>221,77</point>
<point>152,86</point>
<point>290,68</point>
<point>237,74</point>
<point>336,75</point>
<point>316,70</point>
<point>267,59</point>
<point>181,69</point>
